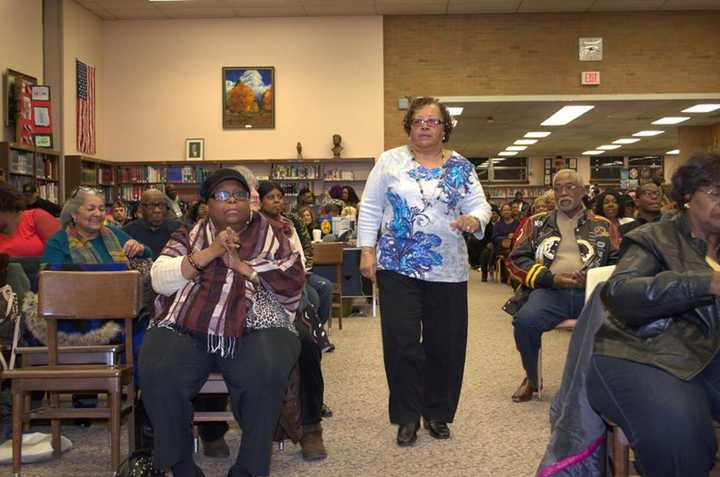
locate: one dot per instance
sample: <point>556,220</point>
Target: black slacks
<point>424,333</point>
<point>174,366</point>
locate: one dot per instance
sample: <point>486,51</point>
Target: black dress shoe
<point>524,392</point>
<point>407,434</point>
<point>438,429</point>
<point>325,411</point>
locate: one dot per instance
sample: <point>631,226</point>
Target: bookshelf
<point>21,164</point>
<point>90,172</point>
<point>293,174</point>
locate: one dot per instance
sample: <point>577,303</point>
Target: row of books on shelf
<point>156,174</point>
<point>47,169</point>
<point>295,171</point>
<point>21,162</point>
<point>508,192</point>
<point>105,176</point>
<point>48,191</point>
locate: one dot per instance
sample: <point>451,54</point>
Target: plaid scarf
<point>216,302</point>
<point>82,251</point>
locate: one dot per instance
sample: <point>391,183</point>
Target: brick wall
<point>469,55</point>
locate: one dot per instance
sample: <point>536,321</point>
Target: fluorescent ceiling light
<point>593,153</point>
<point>671,120</point>
<point>565,115</point>
<point>626,141</point>
<point>539,134</point>
<point>521,142</point>
<point>674,152</point>
<point>647,133</point>
<point>516,148</point>
<point>608,147</point>
<point>507,153</point>
<point>455,110</point>
<point>702,108</point>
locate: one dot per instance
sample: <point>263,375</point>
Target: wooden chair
<point>80,296</point>
<point>331,253</point>
<point>289,424</point>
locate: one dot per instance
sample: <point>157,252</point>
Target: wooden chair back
<point>89,296</point>
<point>331,253</point>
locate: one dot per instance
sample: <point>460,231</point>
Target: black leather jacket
<point>661,309</point>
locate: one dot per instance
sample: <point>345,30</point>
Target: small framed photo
<point>41,116</point>
<point>43,140</point>
<point>194,149</point>
<point>41,93</point>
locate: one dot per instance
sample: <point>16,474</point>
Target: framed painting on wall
<point>248,97</point>
<point>11,82</point>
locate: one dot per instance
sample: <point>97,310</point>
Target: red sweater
<point>33,230</point>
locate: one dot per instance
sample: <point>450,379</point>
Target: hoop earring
<point>249,218</point>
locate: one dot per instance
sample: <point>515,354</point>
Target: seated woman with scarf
<point>229,288</point>
<point>85,240</point>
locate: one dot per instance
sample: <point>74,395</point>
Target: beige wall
<point>82,39</point>
<point>467,55</point>
<point>21,45</point>
<point>163,80</point>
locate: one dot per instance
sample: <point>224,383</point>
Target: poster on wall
<point>10,94</point>
<point>24,127</point>
<point>248,97</point>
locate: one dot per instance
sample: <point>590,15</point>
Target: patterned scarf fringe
<point>225,345</point>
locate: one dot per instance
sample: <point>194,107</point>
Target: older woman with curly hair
<point>23,233</point>
<point>656,364</point>
<point>421,197</point>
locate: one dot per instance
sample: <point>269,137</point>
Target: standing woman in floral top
<point>421,198</point>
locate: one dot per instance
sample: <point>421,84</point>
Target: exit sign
<point>590,78</point>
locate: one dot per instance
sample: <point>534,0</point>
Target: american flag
<point>85,107</point>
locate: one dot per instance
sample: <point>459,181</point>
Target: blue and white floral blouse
<point>412,207</point>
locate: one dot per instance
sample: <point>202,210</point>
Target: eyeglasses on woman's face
<point>427,122</point>
<point>712,192</point>
<point>224,196</point>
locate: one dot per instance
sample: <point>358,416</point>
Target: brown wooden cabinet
<point>21,164</point>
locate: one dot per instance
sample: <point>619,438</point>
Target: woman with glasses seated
<point>656,364</point>
<point>23,233</point>
<point>229,288</point>
<point>84,238</point>
<point>421,198</point>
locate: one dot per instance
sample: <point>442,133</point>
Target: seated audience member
<point>306,215</point>
<point>540,206</point>
<point>629,202</point>
<point>177,207</point>
<point>34,201</point>
<point>312,384</point>
<point>336,192</point>
<point>349,196</point>
<point>610,205</point>
<point>23,233</point>
<point>84,239</point>
<point>519,207</point>
<point>305,198</point>
<point>198,211</point>
<point>246,332</point>
<point>503,231</point>
<point>647,200</point>
<point>118,215</point>
<point>656,366</point>
<point>550,258</point>
<point>154,229</point>
<point>480,250</point>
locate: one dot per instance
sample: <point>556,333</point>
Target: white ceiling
<point>143,9</point>
<point>487,127</point>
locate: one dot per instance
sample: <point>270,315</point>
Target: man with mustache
<point>552,253</point>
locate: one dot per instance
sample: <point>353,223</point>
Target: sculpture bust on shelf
<point>337,146</point>
<point>299,150</point>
